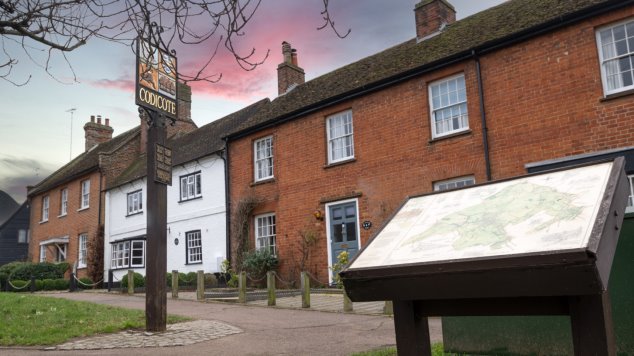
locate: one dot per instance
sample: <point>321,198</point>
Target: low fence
<point>243,294</point>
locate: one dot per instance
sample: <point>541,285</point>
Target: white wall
<point>206,214</point>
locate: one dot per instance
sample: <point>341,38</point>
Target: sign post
<point>157,99</point>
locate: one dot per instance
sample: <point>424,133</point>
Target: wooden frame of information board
<point>568,281</point>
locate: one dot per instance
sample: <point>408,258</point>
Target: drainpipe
<point>224,154</point>
<point>483,116</point>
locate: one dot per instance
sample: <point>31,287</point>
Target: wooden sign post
<point>156,96</point>
<point>541,244</point>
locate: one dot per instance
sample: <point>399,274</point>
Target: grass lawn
<point>436,350</point>
<point>27,319</point>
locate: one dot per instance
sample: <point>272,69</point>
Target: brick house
<point>67,207</point>
<point>517,86</point>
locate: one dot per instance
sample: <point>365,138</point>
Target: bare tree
<point>55,27</point>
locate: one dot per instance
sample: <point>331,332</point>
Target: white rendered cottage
<point>196,206</point>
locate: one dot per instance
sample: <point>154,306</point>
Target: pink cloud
<point>126,85</point>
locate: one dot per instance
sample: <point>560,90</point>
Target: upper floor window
<point>85,194</point>
<point>263,149</point>
<point>194,251</point>
<point>616,52</point>
<point>45,202</point>
<point>63,209</point>
<point>135,202</point>
<point>340,137</point>
<point>265,233</point>
<point>448,102</point>
<point>23,236</point>
<point>454,183</point>
<point>191,186</point>
<point>82,257</point>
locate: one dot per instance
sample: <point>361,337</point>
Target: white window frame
<point>339,139</point>
<point>63,208</point>
<point>22,236</point>
<point>43,253</point>
<point>120,254</point>
<point>266,233</point>
<point>82,251</point>
<point>137,246</point>
<point>615,58</point>
<point>263,160</point>
<point>630,199</point>
<point>135,202</point>
<point>61,254</point>
<point>453,183</point>
<point>453,100</point>
<point>85,194</point>
<point>45,208</point>
<point>194,247</point>
<point>191,186</point>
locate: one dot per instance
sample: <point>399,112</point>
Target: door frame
<point>329,235</point>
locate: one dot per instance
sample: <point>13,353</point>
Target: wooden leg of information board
<point>592,329</point>
<point>412,330</point>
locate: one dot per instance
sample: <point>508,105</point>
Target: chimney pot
<point>107,121</point>
<point>92,118</point>
<point>294,57</point>
<point>431,16</point>
<point>99,119</point>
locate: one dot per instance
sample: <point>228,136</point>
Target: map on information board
<point>547,212</point>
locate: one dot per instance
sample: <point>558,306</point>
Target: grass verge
<point>436,350</point>
<point>35,320</point>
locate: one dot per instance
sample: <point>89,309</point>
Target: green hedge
<point>40,284</point>
<point>184,279</point>
<point>139,281</point>
<point>44,270</point>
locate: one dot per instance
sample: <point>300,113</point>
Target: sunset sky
<point>35,135</point>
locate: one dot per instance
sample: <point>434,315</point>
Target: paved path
<point>233,329</point>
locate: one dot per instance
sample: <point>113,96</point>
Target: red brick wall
<point>74,223</point>
<point>543,100</point>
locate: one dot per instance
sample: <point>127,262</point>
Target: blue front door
<point>343,230</point>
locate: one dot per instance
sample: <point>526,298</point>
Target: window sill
<point>190,199</point>
<point>339,163</point>
<point>617,95</point>
<point>452,135</point>
<point>61,216</point>
<point>82,267</point>
<point>194,263</point>
<point>137,213</point>
<point>82,209</point>
<point>43,221</point>
<point>263,181</point>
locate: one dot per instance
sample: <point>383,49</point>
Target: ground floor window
<point>43,253</point>
<point>194,252</point>
<point>265,233</point>
<point>129,253</point>
<point>83,251</point>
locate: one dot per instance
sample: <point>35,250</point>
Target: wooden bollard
<point>200,285</point>
<point>270,287</point>
<point>130,282</point>
<point>242,287</point>
<point>347,303</point>
<point>174,283</point>
<point>388,308</point>
<point>305,286</point>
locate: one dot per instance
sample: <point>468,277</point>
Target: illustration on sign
<point>156,79</point>
<point>533,214</point>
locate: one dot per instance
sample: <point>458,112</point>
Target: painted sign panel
<point>542,213</point>
<point>163,172</point>
<point>156,80</point>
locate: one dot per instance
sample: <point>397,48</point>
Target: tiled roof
<point>512,19</point>
<point>206,140</point>
<point>82,164</point>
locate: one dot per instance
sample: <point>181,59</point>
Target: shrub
<point>87,283</point>
<point>18,285</point>
<point>191,279</point>
<point>168,279</point>
<point>7,269</point>
<point>42,270</point>
<point>48,284</point>
<point>342,261</point>
<point>257,263</point>
<point>61,284</point>
<point>139,281</point>
<point>210,280</point>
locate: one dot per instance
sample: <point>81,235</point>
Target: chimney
<point>432,16</point>
<point>97,133</point>
<point>288,72</point>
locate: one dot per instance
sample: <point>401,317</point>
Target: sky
<point>39,134</point>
